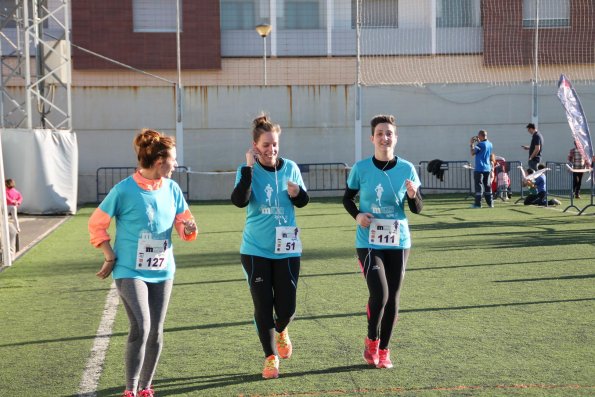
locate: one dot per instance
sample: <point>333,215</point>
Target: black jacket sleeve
<point>349,202</point>
<point>240,197</point>
<point>301,199</point>
<point>416,204</point>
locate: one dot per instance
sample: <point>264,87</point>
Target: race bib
<point>384,232</point>
<point>287,240</point>
<point>151,254</point>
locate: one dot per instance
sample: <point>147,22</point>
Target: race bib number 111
<point>384,232</point>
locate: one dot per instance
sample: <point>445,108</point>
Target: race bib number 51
<point>287,240</point>
<point>384,232</point>
<point>151,254</point>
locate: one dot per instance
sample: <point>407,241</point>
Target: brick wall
<point>106,27</point>
<point>506,42</point>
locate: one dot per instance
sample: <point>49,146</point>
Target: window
<point>301,15</point>
<point>155,15</point>
<point>457,13</point>
<point>237,15</point>
<point>376,13</point>
<point>552,13</point>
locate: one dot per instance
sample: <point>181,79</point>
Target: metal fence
<point>324,176</point>
<point>108,177</point>
<point>450,176</point>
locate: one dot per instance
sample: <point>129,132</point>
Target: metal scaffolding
<point>36,66</point>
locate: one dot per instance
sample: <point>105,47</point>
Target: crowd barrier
<point>592,195</point>
<point>320,177</point>
<point>108,177</point>
<point>449,176</point>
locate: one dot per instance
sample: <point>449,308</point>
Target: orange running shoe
<point>271,367</point>
<point>148,392</point>
<point>284,346</point>
<point>371,351</point>
<point>384,359</point>
<point>128,393</point>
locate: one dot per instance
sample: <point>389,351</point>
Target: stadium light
<point>263,31</point>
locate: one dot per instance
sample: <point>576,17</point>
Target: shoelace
<point>282,339</point>
<point>270,364</point>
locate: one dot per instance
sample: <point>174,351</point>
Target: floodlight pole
<point>263,31</point>
<point>179,93</point>
<point>264,58</point>
<point>535,115</point>
<point>358,85</point>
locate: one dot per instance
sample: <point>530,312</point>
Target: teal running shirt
<point>143,214</point>
<point>269,207</point>
<point>382,194</point>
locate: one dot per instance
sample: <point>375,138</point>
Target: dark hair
<point>9,183</point>
<point>530,171</point>
<point>531,125</point>
<point>382,118</point>
<point>540,166</point>
<point>151,145</point>
<point>482,132</point>
<point>262,124</point>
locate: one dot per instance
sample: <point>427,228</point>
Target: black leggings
<point>384,271</point>
<point>273,285</point>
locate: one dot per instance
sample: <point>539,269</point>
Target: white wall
<point>435,121</point>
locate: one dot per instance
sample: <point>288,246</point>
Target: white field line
<point>94,366</point>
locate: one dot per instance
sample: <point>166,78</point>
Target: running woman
<point>270,187</point>
<point>147,206</point>
<point>384,182</point>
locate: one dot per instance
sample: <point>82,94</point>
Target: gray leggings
<point>146,306</point>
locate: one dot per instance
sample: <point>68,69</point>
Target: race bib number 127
<point>151,254</point>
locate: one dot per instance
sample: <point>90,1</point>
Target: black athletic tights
<point>384,271</point>
<point>273,285</point>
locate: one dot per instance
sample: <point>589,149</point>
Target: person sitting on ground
<point>537,189</point>
<point>13,201</point>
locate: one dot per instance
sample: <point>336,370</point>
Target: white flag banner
<point>576,118</point>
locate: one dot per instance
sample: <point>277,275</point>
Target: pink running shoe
<point>284,346</point>
<point>148,392</point>
<point>371,351</point>
<point>384,359</point>
<point>271,367</point>
<point>128,393</point>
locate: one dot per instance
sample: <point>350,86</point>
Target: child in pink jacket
<point>13,201</point>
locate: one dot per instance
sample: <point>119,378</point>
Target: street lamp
<point>263,31</point>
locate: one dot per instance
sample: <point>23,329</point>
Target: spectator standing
<point>535,148</point>
<point>13,201</point>
<point>577,160</point>
<point>481,148</point>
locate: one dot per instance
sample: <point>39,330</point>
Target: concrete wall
<point>435,121</point>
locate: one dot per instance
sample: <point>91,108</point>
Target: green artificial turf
<point>495,302</point>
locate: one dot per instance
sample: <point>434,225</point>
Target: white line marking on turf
<point>94,367</point>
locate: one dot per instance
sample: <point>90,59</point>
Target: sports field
<point>496,302</point>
